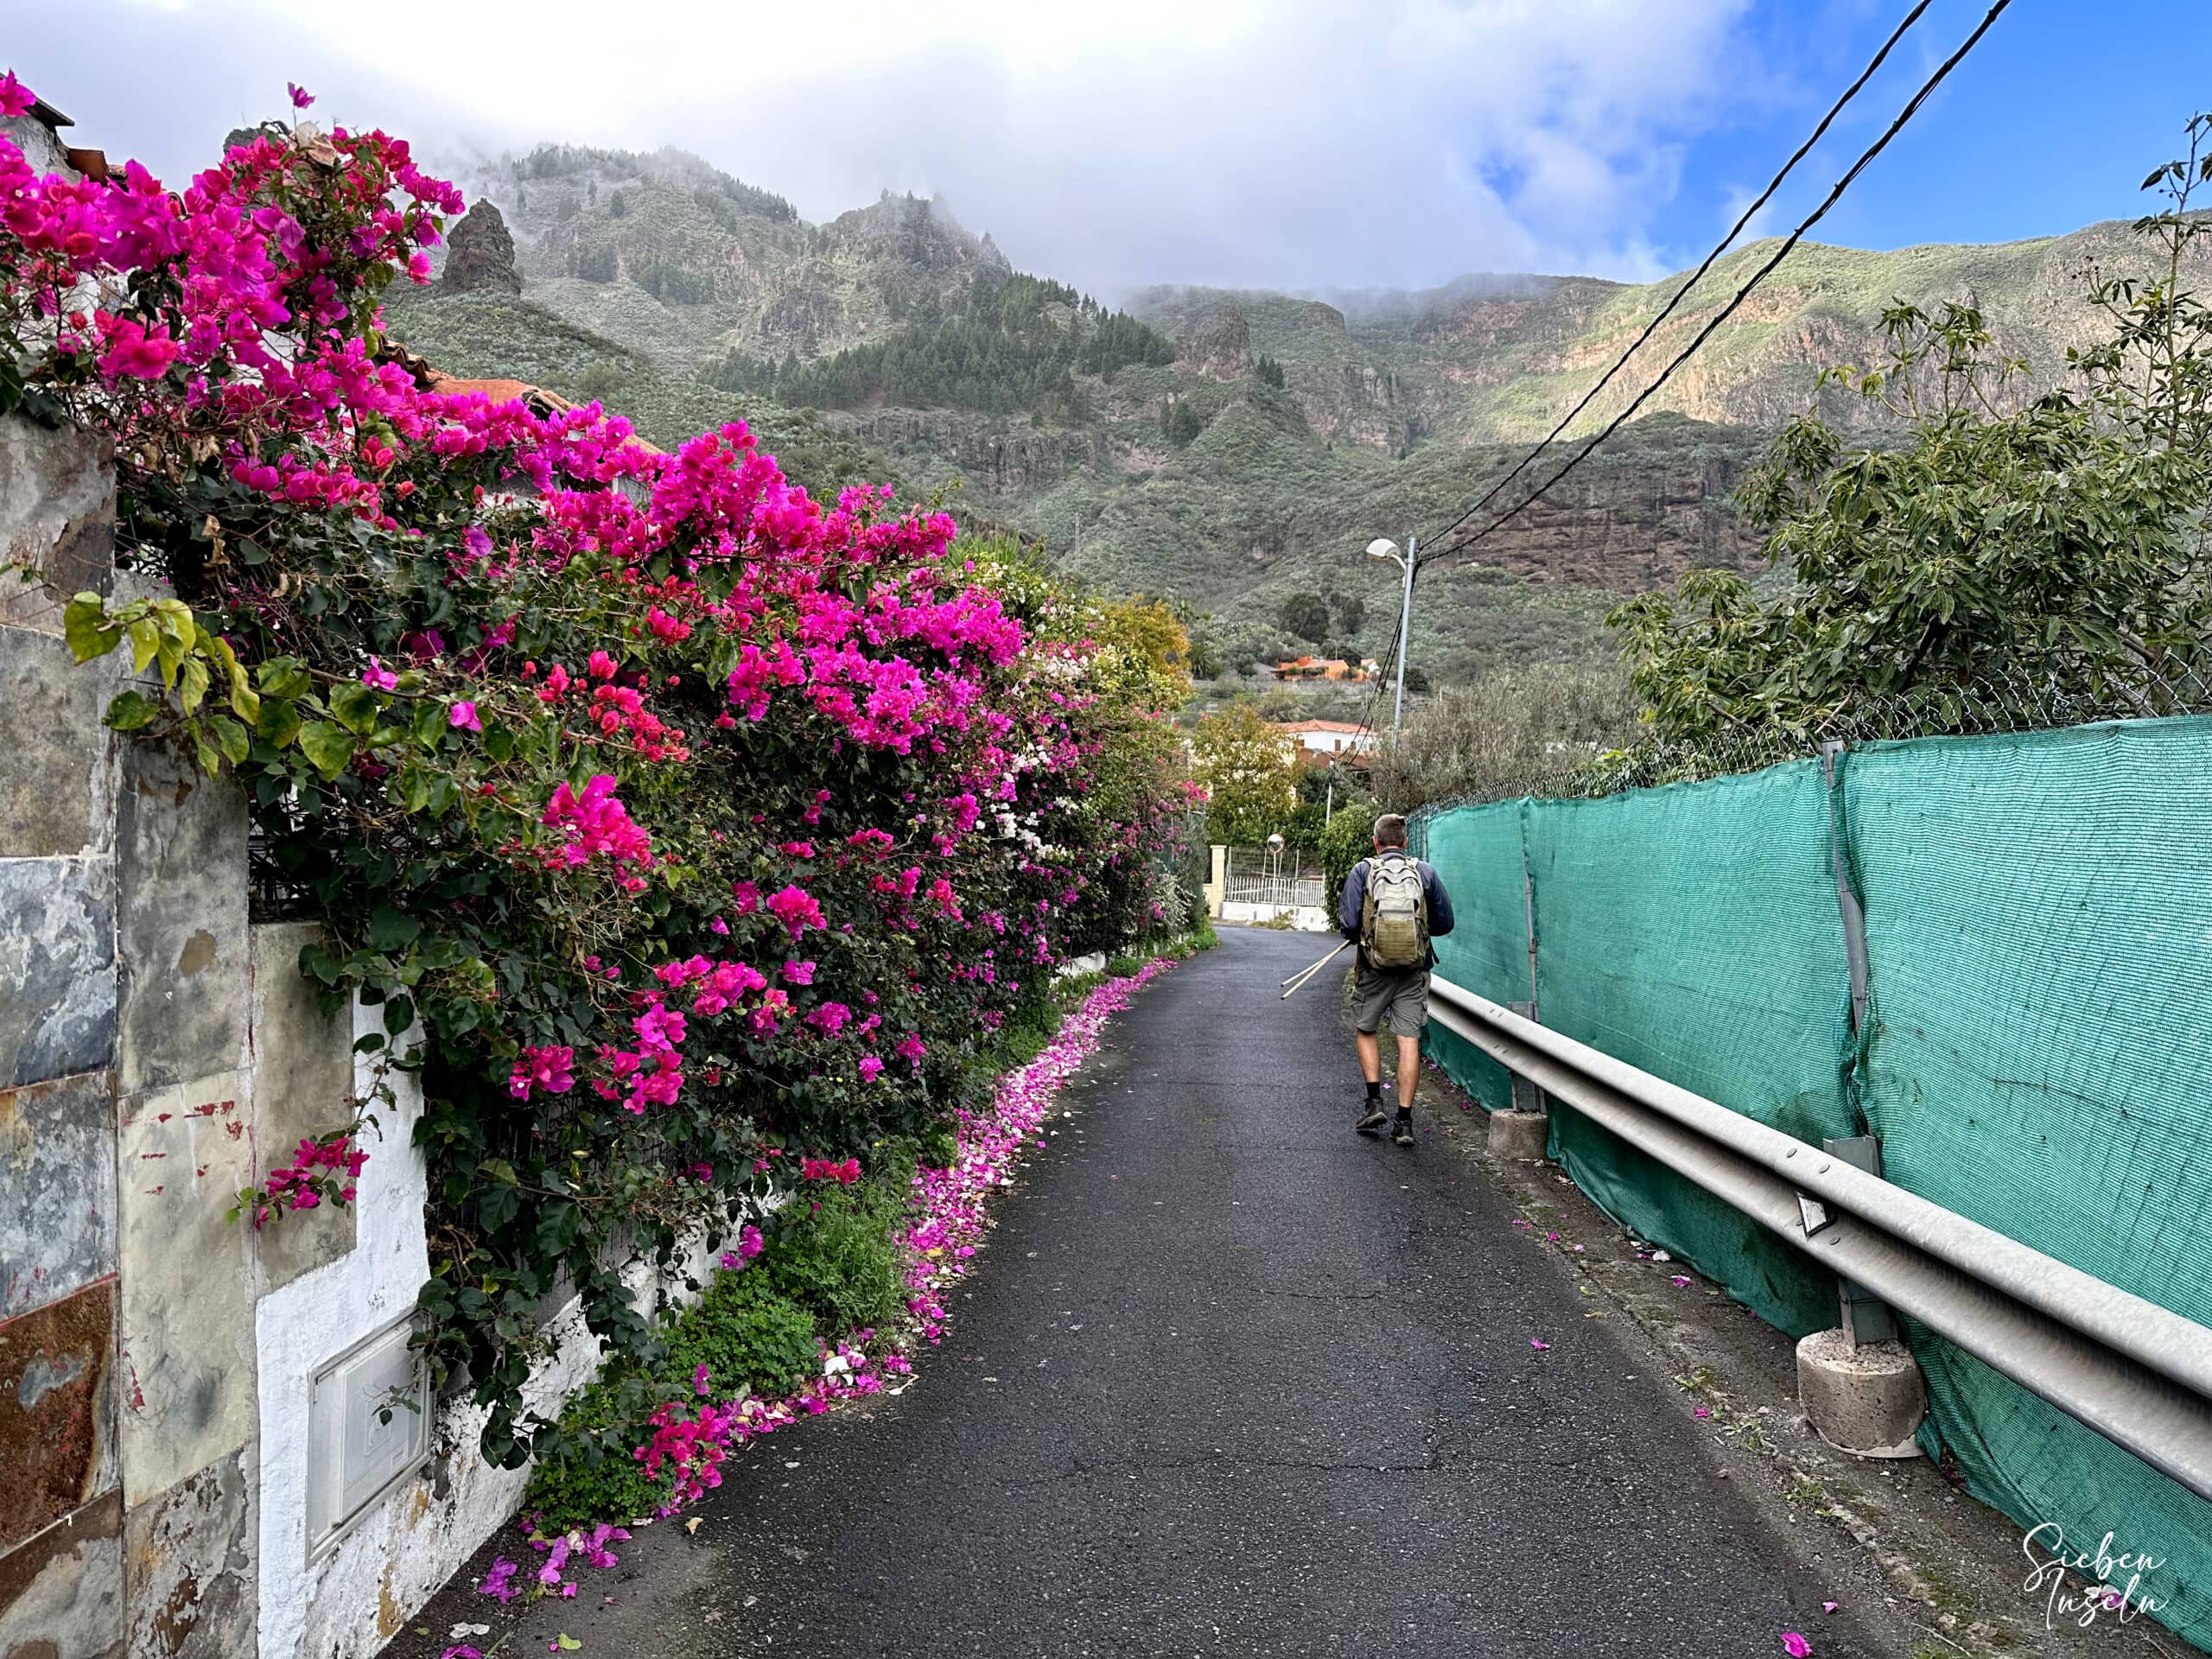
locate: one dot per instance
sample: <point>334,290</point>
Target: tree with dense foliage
<point>1306,615</point>
<point>1348,837</point>
<point>2051,548</point>
<point>1269,372</point>
<point>1181,423</point>
<point>1504,733</point>
<point>1016,345</point>
<point>1250,779</point>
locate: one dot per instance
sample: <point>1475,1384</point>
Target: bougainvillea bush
<point>687,827</point>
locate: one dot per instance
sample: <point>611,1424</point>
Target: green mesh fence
<point>2038,1053</point>
<point>2039,949</point>
<point>1487,950</point>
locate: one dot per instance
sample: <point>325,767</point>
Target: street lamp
<point>1383,548</point>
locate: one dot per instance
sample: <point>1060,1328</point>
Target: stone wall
<point>159,1051</point>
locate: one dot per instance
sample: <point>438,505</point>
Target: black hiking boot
<point>1402,1132</point>
<point>1371,1124</point>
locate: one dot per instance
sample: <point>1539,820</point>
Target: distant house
<point>1326,737</point>
<point>1326,668</point>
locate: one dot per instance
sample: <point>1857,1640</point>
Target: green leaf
<point>129,711</point>
<point>568,1643</point>
<point>393,930</point>
<point>278,721</point>
<point>86,628</point>
<point>398,1014</point>
<point>145,646</point>
<point>282,677</point>
<point>194,687</point>
<point>355,706</point>
<point>500,743</point>
<point>231,737</point>
<point>327,747</point>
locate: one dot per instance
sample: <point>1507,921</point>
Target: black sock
<point>1404,1109</point>
<point>1375,1092</point>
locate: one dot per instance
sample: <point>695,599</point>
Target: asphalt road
<point>1231,1380</point>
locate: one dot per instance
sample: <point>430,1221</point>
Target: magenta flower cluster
<point>689,815</point>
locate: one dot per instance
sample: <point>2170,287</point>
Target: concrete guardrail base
<point>1519,1136</point>
<point>1867,1401</point>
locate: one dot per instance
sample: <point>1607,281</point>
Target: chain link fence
<point>1987,707</point>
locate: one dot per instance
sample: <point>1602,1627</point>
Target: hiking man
<point>1393,906</point>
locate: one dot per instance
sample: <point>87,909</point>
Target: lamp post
<point>1383,548</point>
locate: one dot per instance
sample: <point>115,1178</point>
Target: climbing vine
<point>675,821</point>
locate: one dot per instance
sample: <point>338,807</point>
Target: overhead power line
<point>1696,277</point>
<point>1742,293</point>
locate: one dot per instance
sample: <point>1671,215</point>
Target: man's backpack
<point>1394,914</point>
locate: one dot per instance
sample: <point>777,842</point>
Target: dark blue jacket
<point>1354,900</point>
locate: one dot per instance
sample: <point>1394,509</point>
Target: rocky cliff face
<point>1632,528</point>
<point>480,255</point>
<point>1002,457</point>
<point>1216,343</point>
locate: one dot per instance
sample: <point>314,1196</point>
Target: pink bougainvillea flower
<point>547,1068</point>
<point>1538,1344</point>
<point>1700,1412</point>
<point>871,1068</point>
<point>378,677</point>
<point>134,351</point>
<point>1678,1281</point>
<point>496,1580</point>
<point>462,717</point>
<point>1795,1645</point>
<point>797,909</point>
<point>300,96</point>
<point>14,98</point>
<point>1830,1606</point>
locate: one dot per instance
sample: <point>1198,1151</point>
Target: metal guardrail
<point>2139,1374</point>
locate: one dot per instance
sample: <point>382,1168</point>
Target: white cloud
<point>1285,142</point>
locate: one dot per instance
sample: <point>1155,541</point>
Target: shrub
<point>840,1263</point>
<point>670,815</point>
<point>749,1336</point>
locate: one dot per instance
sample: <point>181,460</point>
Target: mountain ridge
<point>1226,447</point>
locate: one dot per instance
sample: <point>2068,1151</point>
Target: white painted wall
<point>353,1600</point>
<point>1305,919</point>
<point>350,1603</point>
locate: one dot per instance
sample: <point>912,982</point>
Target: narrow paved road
<point>1233,1380</point>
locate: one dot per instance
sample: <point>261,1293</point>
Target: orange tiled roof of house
<point>1319,725</point>
<point>500,391</point>
<point>539,400</point>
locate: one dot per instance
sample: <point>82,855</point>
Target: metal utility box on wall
<point>368,1429</point>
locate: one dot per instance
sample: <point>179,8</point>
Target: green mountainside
<point>1226,447</point>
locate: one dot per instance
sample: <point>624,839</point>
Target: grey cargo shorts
<point>1399,995</point>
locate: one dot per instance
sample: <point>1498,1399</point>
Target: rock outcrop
<point>480,256</point>
<point>1217,343</point>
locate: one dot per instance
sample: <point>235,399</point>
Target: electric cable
<point>1742,293</point>
<point>1682,292</point>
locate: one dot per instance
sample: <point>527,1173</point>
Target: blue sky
<point>2050,122</point>
<point>1293,144</point>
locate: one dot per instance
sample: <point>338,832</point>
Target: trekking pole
<point>1310,967</point>
<point>1297,981</point>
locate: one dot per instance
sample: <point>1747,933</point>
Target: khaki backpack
<point>1394,913</point>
